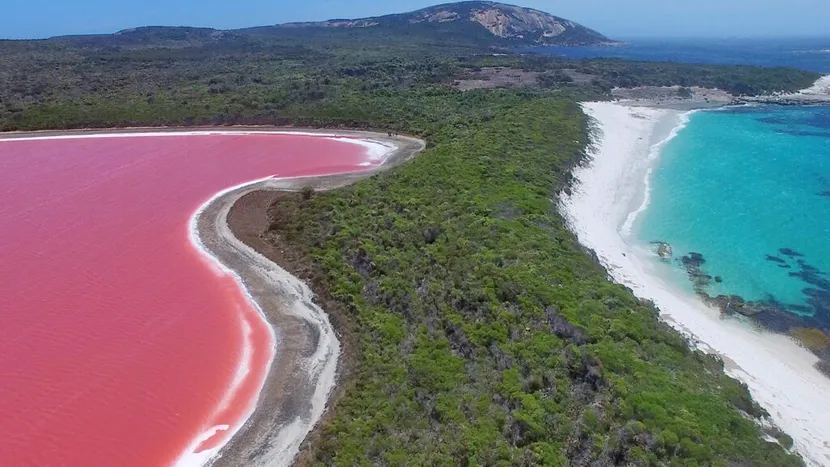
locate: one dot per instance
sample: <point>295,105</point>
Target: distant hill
<point>480,20</point>
<point>465,23</point>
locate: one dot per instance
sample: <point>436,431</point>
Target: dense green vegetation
<point>185,76</point>
<point>738,80</point>
<point>485,334</point>
<point>605,74</point>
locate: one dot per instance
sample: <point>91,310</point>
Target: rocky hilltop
<point>504,23</point>
<point>464,24</point>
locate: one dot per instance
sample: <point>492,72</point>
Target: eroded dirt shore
<point>232,229</point>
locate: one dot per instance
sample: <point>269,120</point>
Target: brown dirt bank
<point>249,222</point>
<point>287,390</point>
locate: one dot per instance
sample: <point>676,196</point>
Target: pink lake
<point>118,340</point>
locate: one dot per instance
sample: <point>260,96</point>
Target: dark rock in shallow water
<point>663,250</point>
<point>819,299</point>
<point>820,134</point>
<point>693,259</point>
<point>769,313</point>
<point>809,270</point>
<point>789,252</point>
<point>799,308</point>
<point>824,354</point>
<point>699,278</point>
<point>807,323</point>
<point>818,291</point>
<point>700,281</point>
<point>773,120</point>
<point>731,304</point>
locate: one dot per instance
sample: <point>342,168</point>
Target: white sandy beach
<point>612,191</point>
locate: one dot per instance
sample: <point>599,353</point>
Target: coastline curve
<point>304,365</point>
<point>779,373</point>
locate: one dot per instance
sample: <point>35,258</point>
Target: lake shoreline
<point>264,309</point>
<point>308,349</point>
<point>611,189</point>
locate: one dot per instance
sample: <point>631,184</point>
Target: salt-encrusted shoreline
<point>303,372</point>
<point>611,189</point>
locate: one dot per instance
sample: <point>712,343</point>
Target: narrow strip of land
<point>302,374</point>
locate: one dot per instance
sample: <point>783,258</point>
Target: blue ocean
<point>812,54</point>
<point>748,190</point>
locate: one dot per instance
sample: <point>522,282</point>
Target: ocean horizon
<point>805,53</point>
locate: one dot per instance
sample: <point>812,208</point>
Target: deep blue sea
<point>805,53</point>
<point>748,188</point>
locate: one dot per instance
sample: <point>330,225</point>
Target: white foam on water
<point>322,365</point>
<point>376,150</point>
<point>653,155</point>
<point>194,459</point>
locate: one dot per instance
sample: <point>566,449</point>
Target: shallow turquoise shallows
<point>749,189</point>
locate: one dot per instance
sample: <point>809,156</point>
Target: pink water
<point>118,341</point>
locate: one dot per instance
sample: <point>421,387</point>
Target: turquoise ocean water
<point>749,189</point>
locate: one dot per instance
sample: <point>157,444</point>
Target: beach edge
<point>778,372</point>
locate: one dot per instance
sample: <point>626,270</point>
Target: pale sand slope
<point>817,94</point>
<point>779,373</point>
<point>303,371</point>
<point>820,88</point>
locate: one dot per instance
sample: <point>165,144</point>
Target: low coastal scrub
<point>284,80</point>
<point>486,335</point>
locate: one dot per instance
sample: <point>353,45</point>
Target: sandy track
<point>303,372</point>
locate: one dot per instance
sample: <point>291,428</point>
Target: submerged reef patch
<point>808,324</point>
